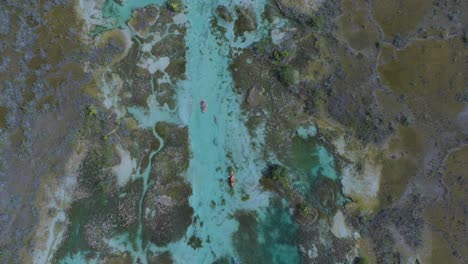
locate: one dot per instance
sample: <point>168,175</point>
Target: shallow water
<point>218,139</point>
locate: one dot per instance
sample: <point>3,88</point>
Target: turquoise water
<point>218,138</point>
<point>257,230</point>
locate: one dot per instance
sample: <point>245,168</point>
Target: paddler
<point>232,178</point>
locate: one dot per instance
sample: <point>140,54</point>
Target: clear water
<point>259,230</point>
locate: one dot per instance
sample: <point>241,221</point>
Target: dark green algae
<point>256,235</point>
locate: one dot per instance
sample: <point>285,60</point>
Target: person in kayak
<point>232,178</point>
<point>203,105</point>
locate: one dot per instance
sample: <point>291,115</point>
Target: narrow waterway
<point>218,138</point>
<point>229,225</point>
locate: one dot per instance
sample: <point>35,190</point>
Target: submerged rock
<point>166,210</point>
<point>224,13</point>
<point>246,21</point>
<point>167,216</point>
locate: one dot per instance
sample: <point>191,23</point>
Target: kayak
<point>232,181</point>
<point>232,178</point>
<point>203,106</point>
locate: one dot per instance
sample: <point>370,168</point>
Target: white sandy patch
<point>302,6</point>
<point>339,227</point>
<point>153,64</point>
<point>277,36</point>
<point>311,253</point>
<point>126,168</point>
<point>111,85</point>
<point>306,131</point>
<point>340,145</point>
<point>363,184</point>
<point>180,18</point>
<point>149,45</point>
<point>360,185</point>
<point>58,195</point>
<point>90,11</point>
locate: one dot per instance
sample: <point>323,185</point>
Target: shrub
<point>316,21</point>
<point>92,111</point>
<point>279,55</point>
<point>92,124</point>
<point>319,98</point>
<point>288,75</point>
<point>278,173</point>
<point>195,242</point>
<point>92,169</point>
<point>174,5</point>
<point>303,209</point>
<point>276,55</point>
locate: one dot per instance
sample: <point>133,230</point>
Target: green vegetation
<point>360,260</point>
<point>278,173</point>
<point>98,29</point>
<point>276,176</point>
<point>92,111</point>
<point>405,74</point>
<point>316,21</point>
<point>303,209</point>
<point>279,55</point>
<point>276,55</point>
<point>263,45</point>
<point>98,208</point>
<point>195,242</point>
<point>162,129</point>
<point>447,217</point>
<point>177,190</point>
<point>406,120</point>
<point>174,5</point>
<point>319,98</point>
<point>355,26</point>
<point>92,124</point>
<point>463,96</point>
<point>400,17</point>
<point>93,168</point>
<point>3,116</point>
<point>245,197</point>
<point>288,75</point>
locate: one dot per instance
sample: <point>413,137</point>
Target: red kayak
<point>203,106</point>
<point>232,178</point>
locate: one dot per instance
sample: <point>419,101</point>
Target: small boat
<point>232,181</point>
<point>203,106</point>
<point>232,178</point>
